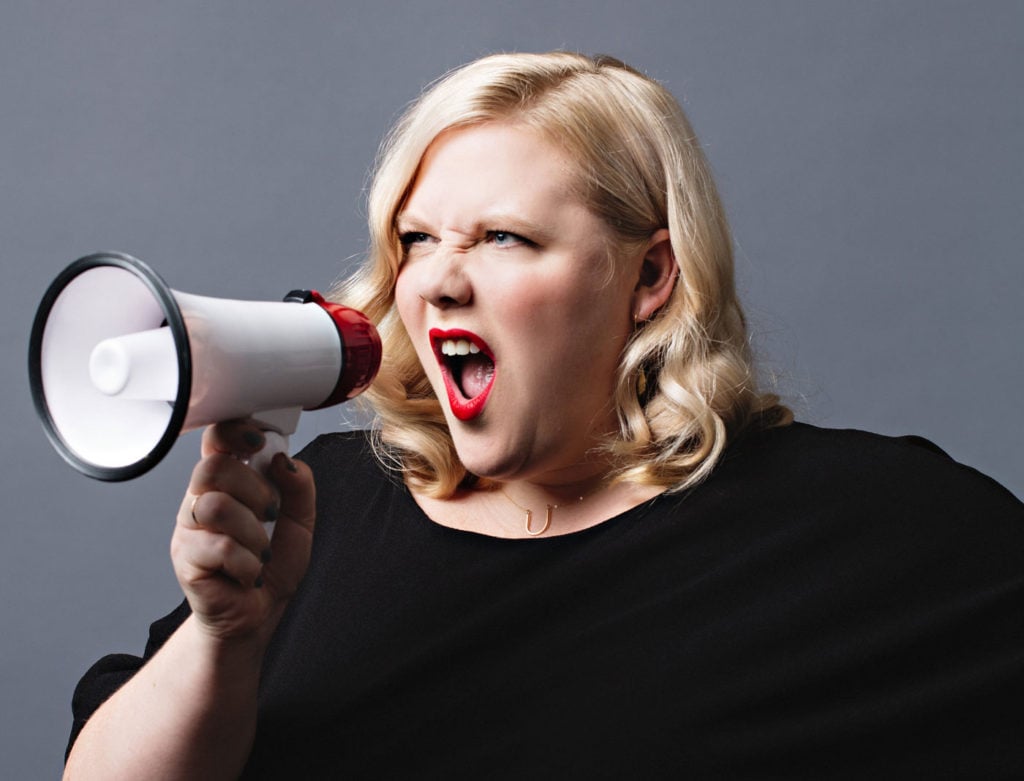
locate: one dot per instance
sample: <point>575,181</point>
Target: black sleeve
<point>113,671</point>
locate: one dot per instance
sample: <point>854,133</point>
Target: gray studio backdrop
<point>869,155</point>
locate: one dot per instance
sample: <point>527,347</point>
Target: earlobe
<point>658,273</point>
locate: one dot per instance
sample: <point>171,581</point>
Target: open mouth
<point>468,368</point>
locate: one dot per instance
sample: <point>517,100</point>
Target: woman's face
<point>506,294</point>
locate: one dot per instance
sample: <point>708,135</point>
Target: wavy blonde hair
<point>686,384</point>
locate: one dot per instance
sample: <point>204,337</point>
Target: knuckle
<point>221,546</point>
<point>208,471</point>
<point>217,508</point>
<point>248,568</point>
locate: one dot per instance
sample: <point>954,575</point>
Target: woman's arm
<point>190,712</point>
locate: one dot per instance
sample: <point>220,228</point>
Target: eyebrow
<point>406,223</point>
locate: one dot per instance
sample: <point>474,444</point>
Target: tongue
<point>477,372</point>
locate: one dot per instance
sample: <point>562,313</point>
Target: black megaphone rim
<point>172,314</point>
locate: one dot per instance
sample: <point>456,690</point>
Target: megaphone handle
<point>276,442</point>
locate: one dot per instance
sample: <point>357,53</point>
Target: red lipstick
<point>462,407</point>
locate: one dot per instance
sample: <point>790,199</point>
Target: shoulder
<point>803,454</point>
<point>901,491</point>
<point>343,450</point>
<point>349,475</point>
<point>345,467</point>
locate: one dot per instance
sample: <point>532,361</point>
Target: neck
<point>556,491</point>
<point>500,509</point>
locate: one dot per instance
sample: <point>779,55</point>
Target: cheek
<point>567,338</point>
<point>581,311</point>
<point>410,309</point>
<point>594,335</point>
<point>406,301</point>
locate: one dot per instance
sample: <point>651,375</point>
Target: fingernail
<point>253,438</point>
<point>271,512</point>
<point>258,583</point>
<point>290,466</point>
<point>265,556</point>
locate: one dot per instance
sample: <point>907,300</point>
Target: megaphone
<point>120,365</point>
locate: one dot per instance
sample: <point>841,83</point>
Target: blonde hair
<point>686,384</point>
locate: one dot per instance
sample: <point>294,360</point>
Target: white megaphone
<point>120,364</point>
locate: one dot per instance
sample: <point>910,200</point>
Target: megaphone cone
<point>120,365</point>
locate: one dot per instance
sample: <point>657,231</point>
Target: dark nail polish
<point>254,438</point>
<point>265,556</point>
<point>271,512</point>
<point>290,466</point>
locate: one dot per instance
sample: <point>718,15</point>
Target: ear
<point>658,273</point>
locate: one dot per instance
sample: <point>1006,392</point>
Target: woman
<point>597,549</point>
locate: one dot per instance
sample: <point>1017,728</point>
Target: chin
<point>487,468</point>
<point>488,462</point>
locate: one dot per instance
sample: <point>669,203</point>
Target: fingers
<point>296,490</point>
<point>227,497</point>
<point>235,578</point>
<point>241,438</point>
<point>220,513</point>
<point>234,575</point>
<point>201,556</point>
<point>220,522</point>
<point>293,534</point>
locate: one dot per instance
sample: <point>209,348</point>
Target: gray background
<point>869,155</point>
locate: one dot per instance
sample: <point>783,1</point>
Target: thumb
<point>293,534</point>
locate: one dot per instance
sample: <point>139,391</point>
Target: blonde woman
<point>580,542</point>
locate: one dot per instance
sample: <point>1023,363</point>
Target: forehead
<point>494,166</point>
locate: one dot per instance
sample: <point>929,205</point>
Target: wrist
<point>223,656</point>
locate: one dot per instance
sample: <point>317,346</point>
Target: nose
<point>444,283</point>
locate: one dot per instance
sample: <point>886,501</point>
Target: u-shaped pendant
<point>545,527</point>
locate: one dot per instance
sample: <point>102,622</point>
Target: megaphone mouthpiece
<point>140,365</point>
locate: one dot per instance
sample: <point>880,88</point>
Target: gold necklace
<point>547,514</point>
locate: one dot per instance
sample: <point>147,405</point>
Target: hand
<point>236,579</point>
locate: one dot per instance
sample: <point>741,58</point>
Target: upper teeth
<point>458,347</point>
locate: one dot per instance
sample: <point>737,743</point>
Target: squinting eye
<point>413,237</point>
<point>507,239</point>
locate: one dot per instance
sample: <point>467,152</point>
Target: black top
<point>829,604</point>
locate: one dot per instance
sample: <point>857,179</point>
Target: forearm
<point>190,712</point>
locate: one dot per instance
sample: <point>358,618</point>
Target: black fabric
<point>827,605</point>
